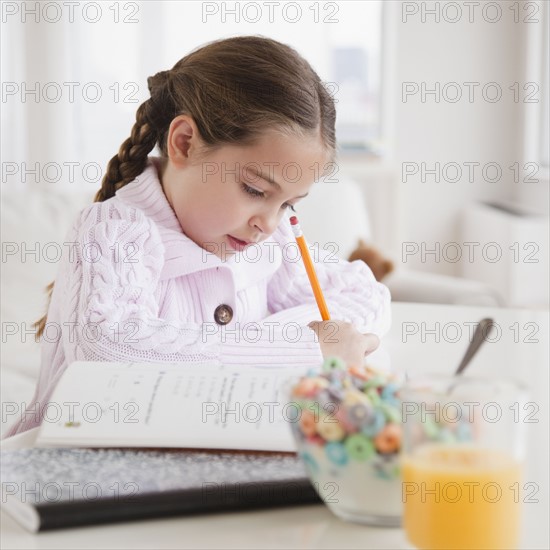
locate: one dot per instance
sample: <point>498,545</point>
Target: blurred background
<point>442,126</point>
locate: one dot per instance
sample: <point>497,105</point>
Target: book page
<point>171,405</point>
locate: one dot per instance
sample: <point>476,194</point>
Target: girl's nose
<point>267,222</point>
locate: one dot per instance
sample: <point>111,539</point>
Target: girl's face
<point>237,192</point>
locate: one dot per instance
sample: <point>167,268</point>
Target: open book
<point>200,406</point>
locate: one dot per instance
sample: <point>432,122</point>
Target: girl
<point>186,257</point>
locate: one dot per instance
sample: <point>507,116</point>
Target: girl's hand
<point>342,339</point>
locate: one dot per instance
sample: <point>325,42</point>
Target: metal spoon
<point>483,329</point>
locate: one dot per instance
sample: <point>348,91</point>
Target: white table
<point>411,346</point>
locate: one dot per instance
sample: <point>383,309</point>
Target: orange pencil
<point>310,269</point>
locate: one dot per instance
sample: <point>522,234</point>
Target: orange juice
<point>461,497</point>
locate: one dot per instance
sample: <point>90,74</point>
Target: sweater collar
<point>182,255</point>
<point>146,193</point>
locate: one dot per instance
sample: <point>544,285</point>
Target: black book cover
<point>52,488</point>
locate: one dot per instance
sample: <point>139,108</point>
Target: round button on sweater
<point>223,314</point>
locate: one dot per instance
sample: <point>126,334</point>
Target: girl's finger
<point>372,342</point>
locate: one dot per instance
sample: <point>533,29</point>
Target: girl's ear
<point>183,140</point>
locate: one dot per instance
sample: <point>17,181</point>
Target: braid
<point>122,169</point>
<point>40,325</point>
<point>131,159</point>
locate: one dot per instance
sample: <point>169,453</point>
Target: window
<point>544,142</point>
<point>355,70</point>
<point>341,40</point>
<point>98,56</point>
<point>537,116</point>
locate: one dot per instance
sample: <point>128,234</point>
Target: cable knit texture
<point>133,287</point>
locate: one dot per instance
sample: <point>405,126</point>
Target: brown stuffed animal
<point>379,265</point>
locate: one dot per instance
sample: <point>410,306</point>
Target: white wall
<point>446,132</point>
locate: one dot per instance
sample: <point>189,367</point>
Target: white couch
<point>334,216</point>
<point>35,222</point>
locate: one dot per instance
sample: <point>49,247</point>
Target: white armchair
<point>336,213</point>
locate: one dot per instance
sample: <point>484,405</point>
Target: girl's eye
<point>252,191</point>
<point>259,194</point>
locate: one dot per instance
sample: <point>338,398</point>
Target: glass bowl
<point>346,423</point>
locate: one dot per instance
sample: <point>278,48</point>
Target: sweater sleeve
<point>112,304</point>
<point>350,289</point>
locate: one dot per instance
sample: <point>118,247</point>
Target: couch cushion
<point>334,216</point>
<point>34,226</point>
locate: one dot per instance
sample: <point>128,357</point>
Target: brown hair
<point>234,89</point>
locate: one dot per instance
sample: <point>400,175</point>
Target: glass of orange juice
<point>463,449</point>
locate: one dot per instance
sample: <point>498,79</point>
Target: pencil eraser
<point>293,220</point>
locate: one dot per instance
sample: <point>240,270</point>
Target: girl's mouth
<point>237,244</point>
